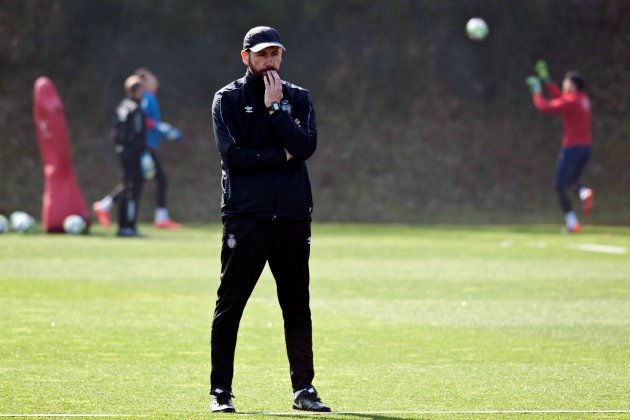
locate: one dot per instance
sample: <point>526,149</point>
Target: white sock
<point>571,219</point>
<point>106,203</point>
<point>584,191</point>
<point>161,214</point>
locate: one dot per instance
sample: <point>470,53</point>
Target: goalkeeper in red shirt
<point>573,105</point>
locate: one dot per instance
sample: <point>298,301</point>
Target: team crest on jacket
<point>231,241</point>
<point>285,105</point>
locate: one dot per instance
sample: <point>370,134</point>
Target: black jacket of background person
<point>258,182</point>
<point>130,127</point>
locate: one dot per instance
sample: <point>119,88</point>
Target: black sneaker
<point>307,400</point>
<point>128,232</point>
<point>221,401</point>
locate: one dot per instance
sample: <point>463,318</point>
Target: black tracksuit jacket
<point>258,182</point>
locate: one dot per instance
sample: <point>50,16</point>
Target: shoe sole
<point>227,410</point>
<point>312,411</point>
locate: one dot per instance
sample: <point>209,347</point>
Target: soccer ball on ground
<point>21,222</point>
<point>4,224</point>
<point>477,29</point>
<point>74,225</point>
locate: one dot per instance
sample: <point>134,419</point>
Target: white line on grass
<point>70,415</point>
<point>606,249</point>
<point>310,413</point>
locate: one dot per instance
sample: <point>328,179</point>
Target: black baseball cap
<point>262,37</point>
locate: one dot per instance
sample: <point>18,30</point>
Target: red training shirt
<point>576,113</point>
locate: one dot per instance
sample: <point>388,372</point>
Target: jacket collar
<point>256,81</point>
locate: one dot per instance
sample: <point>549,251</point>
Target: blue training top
<point>151,109</point>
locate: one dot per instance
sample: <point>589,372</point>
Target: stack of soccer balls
<point>22,222</point>
<point>19,221</point>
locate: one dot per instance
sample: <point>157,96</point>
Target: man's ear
<point>245,57</point>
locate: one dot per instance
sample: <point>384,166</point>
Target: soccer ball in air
<point>74,225</point>
<point>477,29</point>
<point>4,224</point>
<point>21,222</point>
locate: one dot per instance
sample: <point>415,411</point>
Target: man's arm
<point>543,105</point>
<point>233,156</point>
<point>118,133</point>
<point>299,138</point>
<point>151,110</point>
<point>122,128</point>
<point>554,106</point>
<point>543,74</point>
<point>553,89</point>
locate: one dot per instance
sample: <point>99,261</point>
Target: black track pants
<point>160,180</point>
<point>247,246</point>
<point>569,167</point>
<point>132,182</point>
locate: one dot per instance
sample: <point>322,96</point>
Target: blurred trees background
<point>417,124</point>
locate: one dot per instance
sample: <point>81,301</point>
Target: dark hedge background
<point>417,124</point>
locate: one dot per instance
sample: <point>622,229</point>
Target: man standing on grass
<point>574,106</point>
<point>265,131</point>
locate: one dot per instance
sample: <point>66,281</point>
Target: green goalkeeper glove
<point>533,83</point>
<point>542,70</point>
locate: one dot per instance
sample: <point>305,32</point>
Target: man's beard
<point>259,73</point>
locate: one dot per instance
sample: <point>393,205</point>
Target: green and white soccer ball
<point>21,222</point>
<point>4,224</point>
<point>74,225</point>
<point>477,29</point>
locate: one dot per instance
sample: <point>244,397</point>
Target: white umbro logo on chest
<point>249,109</point>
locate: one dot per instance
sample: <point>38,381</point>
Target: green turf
<point>406,319</point>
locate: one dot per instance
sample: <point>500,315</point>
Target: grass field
<point>409,322</point>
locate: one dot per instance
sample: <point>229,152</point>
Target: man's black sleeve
<point>233,156</point>
<point>299,140</point>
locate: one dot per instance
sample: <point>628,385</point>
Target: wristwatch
<point>275,106</point>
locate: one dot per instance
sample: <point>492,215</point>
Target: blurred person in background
<point>573,104</point>
<point>156,129</point>
<point>130,143</point>
<point>151,163</point>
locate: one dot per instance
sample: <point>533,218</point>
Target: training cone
<point>62,195</point>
